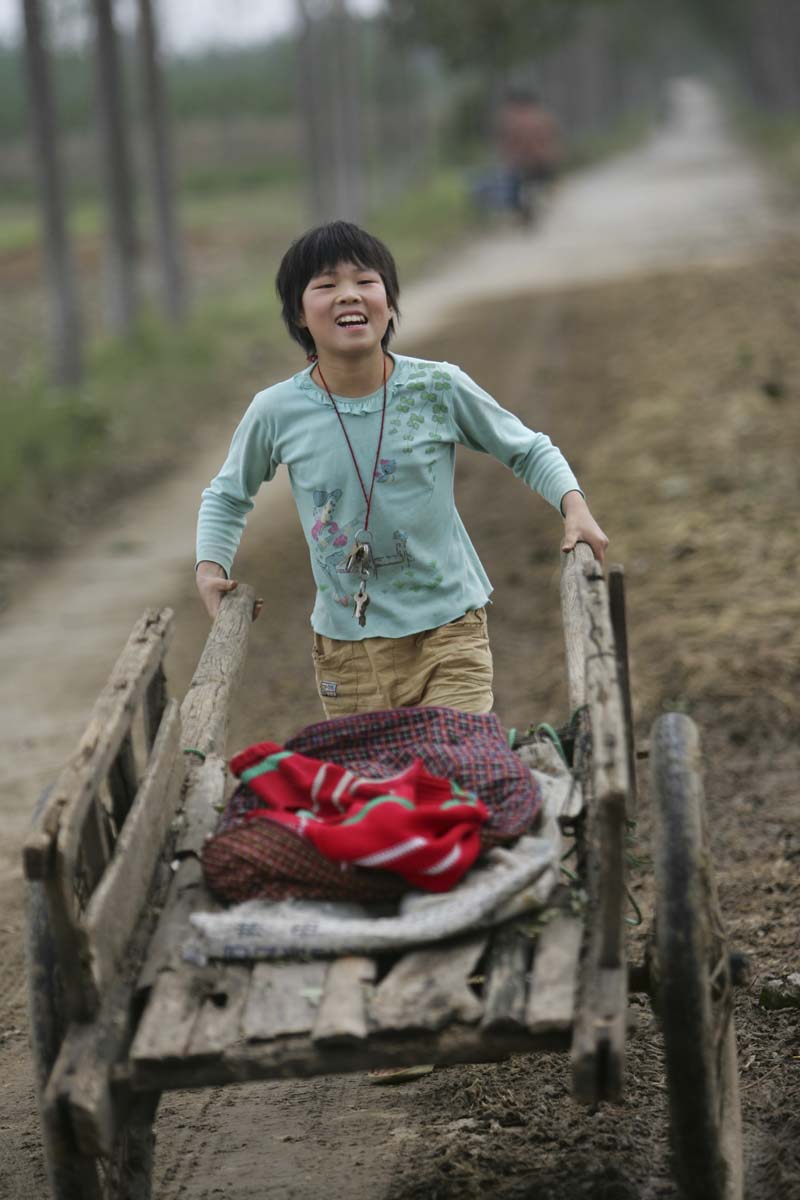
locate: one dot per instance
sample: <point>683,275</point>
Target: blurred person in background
<point>529,147</point>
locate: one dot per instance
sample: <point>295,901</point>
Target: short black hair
<point>321,249</point>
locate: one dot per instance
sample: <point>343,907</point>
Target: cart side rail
<point>106,747</point>
<point>596,687</point>
<point>96,841</point>
<point>205,710</point>
<point>573,565</point>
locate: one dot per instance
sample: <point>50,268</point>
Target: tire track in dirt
<point>289,1136</point>
<point>176,1162</point>
<point>12,975</point>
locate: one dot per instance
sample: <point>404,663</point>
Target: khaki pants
<point>450,666</point>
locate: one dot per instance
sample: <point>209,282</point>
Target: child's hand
<point>212,584</point>
<point>580,526</point>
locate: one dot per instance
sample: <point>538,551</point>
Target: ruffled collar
<point>355,404</point>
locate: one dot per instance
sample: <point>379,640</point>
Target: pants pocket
<point>336,674</point>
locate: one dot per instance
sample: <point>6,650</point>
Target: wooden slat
<point>204,717</point>
<point>108,725</point>
<point>75,1175</point>
<point>573,564</point>
<point>80,1079</point>
<point>616,606</point>
<point>166,1026</point>
<point>603,693</point>
<point>202,802</point>
<point>188,893</point>
<point>205,709</point>
<point>598,1045</point>
<point>610,783</point>
<point>297,1056</point>
<point>117,901</point>
<point>92,1051</point>
<point>428,988</point>
<point>284,998</point>
<point>219,1019</point>
<point>506,979</point>
<point>551,1000</point>
<point>200,1012</point>
<point>342,1015</point>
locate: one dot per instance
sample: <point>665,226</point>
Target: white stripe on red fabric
<point>319,779</point>
<point>399,850</point>
<point>444,864</point>
<point>340,788</point>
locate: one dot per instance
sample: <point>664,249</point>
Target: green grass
<point>142,407</point>
<point>20,226</point>
<point>256,196</point>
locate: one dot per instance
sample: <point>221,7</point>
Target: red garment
<point>418,825</point>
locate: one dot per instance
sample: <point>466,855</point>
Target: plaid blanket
<point>252,858</point>
<point>471,749</point>
<point>260,860</point>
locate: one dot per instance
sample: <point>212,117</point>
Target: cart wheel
<point>692,977</point>
<point>72,1175</point>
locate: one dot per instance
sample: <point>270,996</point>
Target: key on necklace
<point>361,602</point>
<point>359,559</point>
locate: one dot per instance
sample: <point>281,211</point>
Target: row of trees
<point>66,323</point>
<point>371,97</point>
<point>337,61</point>
<point>761,39</point>
<point>596,57</point>
<point>592,60</point>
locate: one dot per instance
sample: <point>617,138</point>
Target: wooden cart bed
<point>113,857</point>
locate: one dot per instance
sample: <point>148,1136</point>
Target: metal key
<point>361,602</point>
<point>359,559</point>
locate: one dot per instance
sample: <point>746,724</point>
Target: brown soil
<point>677,398</point>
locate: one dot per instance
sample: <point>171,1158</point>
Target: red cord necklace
<point>360,557</point>
<point>367,495</point>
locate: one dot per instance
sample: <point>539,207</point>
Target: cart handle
<point>205,709</point>
<point>574,563</point>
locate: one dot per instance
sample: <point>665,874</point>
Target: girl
<point>400,611</point>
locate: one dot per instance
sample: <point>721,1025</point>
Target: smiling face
<point>346,312</point>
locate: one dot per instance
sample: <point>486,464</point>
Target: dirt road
<point>643,296</point>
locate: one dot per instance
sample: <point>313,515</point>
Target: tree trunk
<point>161,166</point>
<point>329,87</point>
<point>348,188</point>
<point>117,172</point>
<point>65,320</point>
<point>312,101</point>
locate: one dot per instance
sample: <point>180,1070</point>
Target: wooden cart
<point>118,1017</point>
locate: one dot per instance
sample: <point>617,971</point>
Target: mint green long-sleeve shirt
<point>426,571</point>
